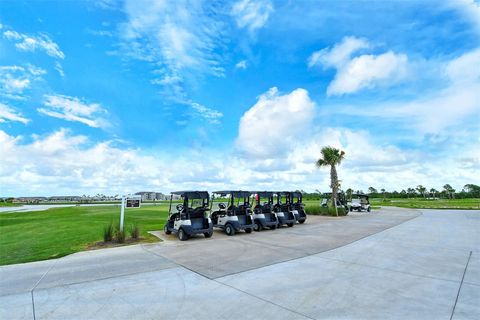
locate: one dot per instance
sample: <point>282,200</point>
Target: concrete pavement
<point>391,264</point>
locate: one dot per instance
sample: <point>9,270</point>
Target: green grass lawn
<point>420,203</point>
<point>8,204</point>
<point>41,235</point>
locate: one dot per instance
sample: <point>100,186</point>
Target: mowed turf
<point>41,235</point>
<point>419,203</point>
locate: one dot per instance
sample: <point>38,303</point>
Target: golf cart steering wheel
<point>179,207</point>
<point>222,206</point>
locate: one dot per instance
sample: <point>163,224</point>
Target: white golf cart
<point>189,218</point>
<point>359,202</point>
<point>263,212</point>
<point>282,210</point>
<point>237,216</point>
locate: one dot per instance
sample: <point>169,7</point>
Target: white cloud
<point>469,8</point>
<point>456,105</point>
<point>360,72</point>
<point>74,109</point>
<point>241,65</point>
<point>14,80</point>
<point>9,114</point>
<point>369,71</point>
<point>464,68</point>
<point>274,122</point>
<point>252,15</point>
<point>181,39</point>
<point>210,115</point>
<point>340,54</point>
<point>43,42</point>
<point>61,162</point>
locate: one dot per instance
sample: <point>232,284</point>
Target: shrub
<point>330,211</point>
<point>120,236</point>
<point>135,231</point>
<point>108,233</point>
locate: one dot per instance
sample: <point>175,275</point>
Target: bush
<point>108,233</point>
<point>120,236</point>
<point>330,211</point>
<point>135,231</point>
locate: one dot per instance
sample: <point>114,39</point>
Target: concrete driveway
<point>390,264</point>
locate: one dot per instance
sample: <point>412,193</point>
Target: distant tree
<point>421,189</point>
<point>472,189</point>
<point>349,193</point>
<point>372,190</point>
<point>383,192</point>
<point>434,192</point>
<point>403,193</point>
<point>410,192</point>
<point>331,157</point>
<point>449,191</point>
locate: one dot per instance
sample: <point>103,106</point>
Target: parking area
<point>390,264</point>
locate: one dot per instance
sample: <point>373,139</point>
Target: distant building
<point>150,196</point>
<point>65,198</point>
<point>30,199</point>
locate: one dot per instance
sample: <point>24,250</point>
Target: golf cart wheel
<point>301,221</point>
<point>248,230</point>
<point>165,229</point>
<point>229,230</point>
<point>182,236</point>
<point>290,224</point>
<point>208,234</point>
<point>368,209</point>
<point>351,209</point>
<point>257,227</point>
<point>273,227</point>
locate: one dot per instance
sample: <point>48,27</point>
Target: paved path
<point>391,264</point>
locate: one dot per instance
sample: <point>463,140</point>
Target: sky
<point>116,97</point>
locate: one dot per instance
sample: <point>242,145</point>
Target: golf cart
<point>188,219</point>
<point>341,200</point>
<point>359,202</point>
<point>263,213</point>
<point>282,210</point>
<point>294,199</point>
<point>236,216</point>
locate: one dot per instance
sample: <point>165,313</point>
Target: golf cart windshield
<point>190,200</point>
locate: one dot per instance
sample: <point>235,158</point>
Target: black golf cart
<point>294,199</point>
<point>236,216</point>
<point>189,218</point>
<point>263,211</point>
<point>282,210</point>
<point>359,202</point>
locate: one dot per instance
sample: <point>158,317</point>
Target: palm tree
<point>372,190</point>
<point>349,194</point>
<point>433,191</point>
<point>383,191</point>
<point>331,157</point>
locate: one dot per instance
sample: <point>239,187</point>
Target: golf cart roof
<point>281,193</point>
<point>296,194</point>
<point>192,194</point>
<point>234,193</point>
<point>265,194</point>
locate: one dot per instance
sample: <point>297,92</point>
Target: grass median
<point>41,235</point>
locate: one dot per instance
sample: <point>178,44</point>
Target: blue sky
<point>122,96</point>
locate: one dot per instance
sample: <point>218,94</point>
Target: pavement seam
<point>264,300</point>
<point>390,270</point>
<point>460,287</point>
<point>38,282</point>
<point>309,254</point>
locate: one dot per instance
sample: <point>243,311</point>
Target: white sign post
<point>122,213</point>
<point>130,202</point>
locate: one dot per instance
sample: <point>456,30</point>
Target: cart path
<point>393,263</point>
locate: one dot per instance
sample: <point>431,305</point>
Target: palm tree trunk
<point>334,186</point>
